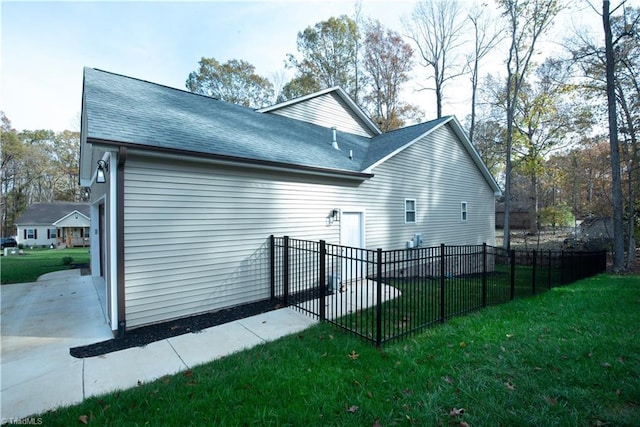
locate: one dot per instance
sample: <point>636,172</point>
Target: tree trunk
<point>616,181</point>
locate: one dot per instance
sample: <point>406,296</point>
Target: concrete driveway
<point>39,323</point>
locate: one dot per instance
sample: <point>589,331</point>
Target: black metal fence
<point>384,295</point>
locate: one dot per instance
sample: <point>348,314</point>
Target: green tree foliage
<point>234,81</point>
<point>548,114</point>
<point>387,63</point>
<point>299,86</point>
<point>557,216</point>
<point>527,21</point>
<point>327,57</point>
<point>37,166</point>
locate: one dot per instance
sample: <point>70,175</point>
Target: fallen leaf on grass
<point>456,412</point>
<point>352,409</point>
<point>376,423</point>
<point>509,385</point>
<point>550,400</point>
<point>86,419</point>
<point>606,365</point>
<point>353,355</point>
<point>463,424</point>
<point>448,380</point>
<point>463,344</point>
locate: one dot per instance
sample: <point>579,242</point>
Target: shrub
<point>67,260</point>
<point>556,216</point>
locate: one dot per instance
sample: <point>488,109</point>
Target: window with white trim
<point>409,211</point>
<point>463,211</point>
<point>30,233</point>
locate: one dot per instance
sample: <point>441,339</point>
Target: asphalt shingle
<point>121,109</point>
<point>48,213</point>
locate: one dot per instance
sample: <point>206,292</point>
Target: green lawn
<point>419,301</point>
<point>36,262</point>
<point>567,357</point>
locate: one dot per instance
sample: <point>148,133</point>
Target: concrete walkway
<point>41,321</point>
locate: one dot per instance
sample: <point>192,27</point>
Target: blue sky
<point>45,45</point>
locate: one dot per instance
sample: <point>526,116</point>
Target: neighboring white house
<point>61,224</point>
<point>195,186</point>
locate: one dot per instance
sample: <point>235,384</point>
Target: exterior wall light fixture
<point>101,173</point>
<point>86,193</point>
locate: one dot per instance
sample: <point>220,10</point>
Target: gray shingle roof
<point>126,110</point>
<point>48,213</point>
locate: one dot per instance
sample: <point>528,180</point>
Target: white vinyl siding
<point>196,237</point>
<point>196,234</point>
<point>326,110</point>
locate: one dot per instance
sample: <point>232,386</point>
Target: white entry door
<point>352,235</point>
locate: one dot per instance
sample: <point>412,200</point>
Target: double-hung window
<point>409,211</point>
<point>463,211</point>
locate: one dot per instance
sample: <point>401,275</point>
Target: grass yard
<point>419,302</point>
<point>570,356</point>
<point>36,262</point>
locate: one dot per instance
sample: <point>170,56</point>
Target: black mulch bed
<point>142,336</point>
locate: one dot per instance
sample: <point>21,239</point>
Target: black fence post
<point>379,297</point>
<point>512,283</point>
<point>442,284</point>
<point>323,280</point>
<point>561,268</point>
<point>285,270</point>
<point>533,272</point>
<point>549,275</point>
<point>272,265</point>
<point>484,274</point>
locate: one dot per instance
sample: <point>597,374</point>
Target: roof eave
<point>224,159</point>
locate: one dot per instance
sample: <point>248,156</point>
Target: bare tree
<point>528,21</point>
<point>486,35</point>
<point>436,28</point>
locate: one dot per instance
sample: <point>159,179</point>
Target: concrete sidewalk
<point>41,321</point>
